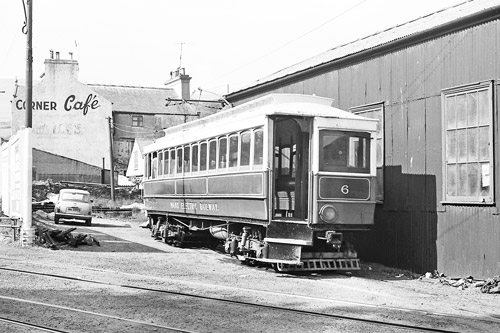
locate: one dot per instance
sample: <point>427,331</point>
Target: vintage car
<point>73,204</point>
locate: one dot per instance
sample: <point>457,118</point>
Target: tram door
<point>291,167</point>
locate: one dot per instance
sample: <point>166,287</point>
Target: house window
<point>137,121</point>
<point>376,111</point>
<point>468,144</point>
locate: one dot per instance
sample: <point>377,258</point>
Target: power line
<point>292,41</point>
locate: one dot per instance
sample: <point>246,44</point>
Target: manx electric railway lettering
<point>276,180</point>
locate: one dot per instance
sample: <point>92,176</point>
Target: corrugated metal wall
<point>413,230</point>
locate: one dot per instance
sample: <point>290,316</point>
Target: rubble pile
<point>488,286</point>
<point>54,238</point>
<point>46,235</point>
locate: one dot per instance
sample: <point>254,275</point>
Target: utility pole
<point>111,162</point>
<point>27,230</point>
<point>29,64</point>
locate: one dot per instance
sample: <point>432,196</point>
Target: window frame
<point>137,121</point>
<point>469,199</point>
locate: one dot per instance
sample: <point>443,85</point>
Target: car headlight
<point>328,214</point>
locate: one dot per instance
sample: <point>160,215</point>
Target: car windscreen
<point>70,196</point>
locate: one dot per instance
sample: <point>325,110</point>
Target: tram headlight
<point>328,214</point>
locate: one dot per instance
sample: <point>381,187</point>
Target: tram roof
<point>273,104</point>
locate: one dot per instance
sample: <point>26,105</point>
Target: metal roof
<point>416,26</point>
<point>144,100</point>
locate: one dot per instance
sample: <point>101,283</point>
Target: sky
<point>223,44</point>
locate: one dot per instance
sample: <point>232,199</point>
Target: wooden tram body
<point>276,179</point>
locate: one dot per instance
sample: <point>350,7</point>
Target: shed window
<point>376,111</point>
<point>468,144</point>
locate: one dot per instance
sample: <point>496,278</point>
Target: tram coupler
<point>333,238</point>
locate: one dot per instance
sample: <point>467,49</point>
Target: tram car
<point>276,180</point>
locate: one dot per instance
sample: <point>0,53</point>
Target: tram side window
<point>212,154</point>
<point>203,156</point>
<point>147,165</point>
<point>187,156</point>
<point>166,161</point>
<point>160,163</point>
<point>245,151</point>
<point>258,148</point>
<point>154,166</point>
<point>222,153</point>
<point>194,157</point>
<point>180,160</point>
<point>172,162</point>
<point>233,151</point>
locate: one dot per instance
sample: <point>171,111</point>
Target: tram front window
<point>342,151</point>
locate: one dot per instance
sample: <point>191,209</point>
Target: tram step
<point>325,265</point>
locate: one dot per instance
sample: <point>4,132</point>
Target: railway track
<point>381,325</point>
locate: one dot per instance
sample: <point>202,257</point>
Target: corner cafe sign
<point>71,103</point>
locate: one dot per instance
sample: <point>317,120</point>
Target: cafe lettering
<point>71,103</point>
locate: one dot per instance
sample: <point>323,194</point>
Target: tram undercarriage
<point>248,242</point>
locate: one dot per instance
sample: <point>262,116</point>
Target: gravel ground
<point>129,256</point>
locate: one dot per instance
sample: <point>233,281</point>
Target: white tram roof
<point>251,114</point>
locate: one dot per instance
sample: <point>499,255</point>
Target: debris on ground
<point>489,286</point>
<point>53,238</point>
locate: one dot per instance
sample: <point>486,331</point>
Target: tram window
<point>212,154</point>
<point>172,162</point>
<point>147,165</point>
<point>222,153</point>
<point>166,158</point>
<point>203,156</point>
<point>233,150</point>
<point>160,163</point>
<point>285,161</point>
<point>344,151</point>
<point>245,150</point>
<point>180,160</point>
<point>187,157</point>
<point>258,148</point>
<point>194,157</point>
<point>154,165</point>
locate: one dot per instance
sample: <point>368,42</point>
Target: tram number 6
<point>345,189</point>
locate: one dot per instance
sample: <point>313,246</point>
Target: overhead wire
<point>291,41</point>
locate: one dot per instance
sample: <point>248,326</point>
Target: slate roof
<point>419,25</point>
<point>140,99</point>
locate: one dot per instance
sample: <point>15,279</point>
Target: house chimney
<point>57,67</point>
<point>179,81</point>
